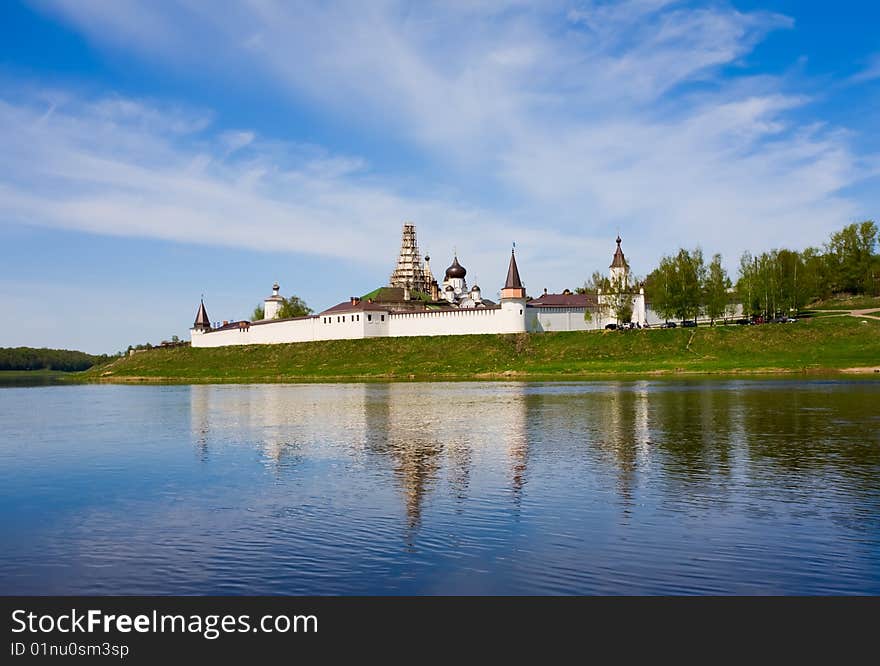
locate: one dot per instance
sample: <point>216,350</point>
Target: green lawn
<point>809,345</point>
<point>846,303</point>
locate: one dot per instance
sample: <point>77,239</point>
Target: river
<point>752,486</point>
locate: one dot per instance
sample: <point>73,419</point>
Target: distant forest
<point>29,358</point>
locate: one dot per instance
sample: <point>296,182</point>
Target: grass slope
<point>821,344</point>
<point>846,303</point>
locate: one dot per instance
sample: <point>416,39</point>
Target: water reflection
<point>438,434</point>
<point>635,487</point>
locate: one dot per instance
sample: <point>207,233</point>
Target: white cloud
<point>575,121</point>
<point>96,167</point>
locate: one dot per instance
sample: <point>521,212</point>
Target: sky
<point>154,152</point>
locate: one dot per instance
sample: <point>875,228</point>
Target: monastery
<point>416,303</point>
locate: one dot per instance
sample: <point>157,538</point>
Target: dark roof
<point>360,306</point>
<point>619,260</point>
<point>513,281</point>
<point>233,324</point>
<point>202,317</point>
<point>456,270</point>
<point>564,301</point>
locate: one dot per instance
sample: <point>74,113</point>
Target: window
<point>369,317</point>
<point>383,317</point>
<point>343,319</point>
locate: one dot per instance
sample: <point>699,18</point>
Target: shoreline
<point>864,372</point>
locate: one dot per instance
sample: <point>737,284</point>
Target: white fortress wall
<point>654,319</point>
<point>290,330</point>
<point>547,320</point>
<point>509,318</point>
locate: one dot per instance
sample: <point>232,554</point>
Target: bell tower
<point>619,268</point>
<point>272,304</point>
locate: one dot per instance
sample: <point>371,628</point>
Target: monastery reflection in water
<point>467,439</point>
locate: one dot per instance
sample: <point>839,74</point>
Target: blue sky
<point>154,151</point>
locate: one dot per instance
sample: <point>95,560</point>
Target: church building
<point>414,303</point>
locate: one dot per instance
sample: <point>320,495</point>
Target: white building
<point>402,310</point>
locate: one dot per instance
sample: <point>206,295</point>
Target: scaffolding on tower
<point>410,272</point>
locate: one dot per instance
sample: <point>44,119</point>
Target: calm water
<point>646,487</point>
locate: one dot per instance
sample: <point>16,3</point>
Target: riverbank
<point>37,377</point>
<point>809,346</point>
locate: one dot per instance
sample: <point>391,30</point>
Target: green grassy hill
<point>812,345</point>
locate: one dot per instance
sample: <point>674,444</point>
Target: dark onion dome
<point>475,288</point>
<point>456,270</point>
<point>449,288</point>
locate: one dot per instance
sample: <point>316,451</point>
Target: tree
<point>850,254</point>
<point>715,289</point>
<point>690,276</point>
<point>293,307</point>
<point>259,313</point>
<point>596,282</point>
<point>660,287</point>
<point>617,299</point>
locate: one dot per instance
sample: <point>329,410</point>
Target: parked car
<point>689,324</point>
<point>791,320</point>
<point>668,324</point>
<point>745,322</point>
<point>610,327</point>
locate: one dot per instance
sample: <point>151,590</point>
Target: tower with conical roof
<point>513,299</point>
<point>409,272</point>
<point>513,286</point>
<point>619,268</point>
<point>202,323</point>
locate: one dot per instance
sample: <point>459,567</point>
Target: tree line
<point>30,358</point>
<point>776,282</point>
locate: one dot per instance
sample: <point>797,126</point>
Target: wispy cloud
<point>97,166</point>
<point>870,72</point>
<point>573,121</point>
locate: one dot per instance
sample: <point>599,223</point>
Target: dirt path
<point>874,313</point>
<point>864,313</point>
